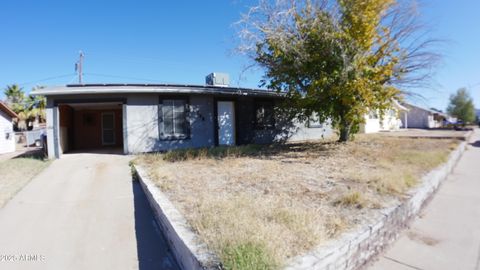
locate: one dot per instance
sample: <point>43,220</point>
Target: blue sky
<point>182,41</point>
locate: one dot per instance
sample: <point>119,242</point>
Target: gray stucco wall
<point>417,118</point>
<point>304,133</point>
<point>284,130</point>
<point>140,115</point>
<point>142,124</point>
<point>293,133</point>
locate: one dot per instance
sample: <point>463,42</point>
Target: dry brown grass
<point>16,173</point>
<point>258,208</point>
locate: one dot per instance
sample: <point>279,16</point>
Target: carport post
<point>405,114</point>
<point>52,131</point>
<point>56,130</point>
<point>125,129</point>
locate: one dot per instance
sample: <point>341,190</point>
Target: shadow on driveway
<point>152,248</point>
<point>475,144</point>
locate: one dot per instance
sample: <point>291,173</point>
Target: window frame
<point>314,122</point>
<point>373,115</point>
<point>187,124</point>
<point>259,103</point>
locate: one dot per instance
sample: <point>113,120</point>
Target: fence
<point>30,140</point>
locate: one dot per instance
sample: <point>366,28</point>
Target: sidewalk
<point>447,233</point>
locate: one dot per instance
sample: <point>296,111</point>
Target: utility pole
<point>79,67</point>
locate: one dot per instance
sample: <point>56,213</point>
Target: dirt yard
<point>17,172</point>
<point>258,206</point>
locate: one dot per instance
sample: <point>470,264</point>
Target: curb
<point>354,249</point>
<point>189,251</point>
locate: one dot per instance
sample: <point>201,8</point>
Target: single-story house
<point>142,118</point>
<point>7,136</point>
<point>392,119</point>
<point>419,117</point>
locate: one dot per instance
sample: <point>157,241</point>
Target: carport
<point>89,126</point>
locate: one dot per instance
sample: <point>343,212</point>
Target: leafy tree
<point>337,59</point>
<point>461,106</point>
<point>28,109</point>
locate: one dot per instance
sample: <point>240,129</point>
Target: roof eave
<point>400,106</point>
<point>156,90</point>
<point>7,110</point>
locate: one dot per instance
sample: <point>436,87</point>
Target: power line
<point>474,85</point>
<point>47,79</point>
<point>146,60</point>
<point>122,77</point>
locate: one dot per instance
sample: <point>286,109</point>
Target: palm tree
<point>24,117</point>
<point>36,105</point>
<point>28,109</point>
<point>15,97</point>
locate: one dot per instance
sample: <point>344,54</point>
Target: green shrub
<point>247,256</point>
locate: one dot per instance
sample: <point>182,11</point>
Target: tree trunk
<point>344,132</point>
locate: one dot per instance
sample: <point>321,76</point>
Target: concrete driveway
<point>83,212</point>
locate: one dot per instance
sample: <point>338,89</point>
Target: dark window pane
<point>107,121</point>
<point>173,118</point>
<point>167,117</point>
<point>179,123</point>
<point>179,105</point>
<point>265,114</point>
<point>179,117</point>
<point>108,136</point>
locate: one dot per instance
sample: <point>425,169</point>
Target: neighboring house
<point>146,118</point>
<point>393,119</point>
<point>7,136</point>
<point>419,117</point>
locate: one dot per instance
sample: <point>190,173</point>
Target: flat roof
<point>75,89</point>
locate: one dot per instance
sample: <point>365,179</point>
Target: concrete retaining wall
<point>353,250</point>
<point>189,251</point>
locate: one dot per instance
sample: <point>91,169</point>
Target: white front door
<point>226,122</point>
<point>108,128</point>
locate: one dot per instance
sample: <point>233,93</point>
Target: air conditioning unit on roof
<point>218,79</point>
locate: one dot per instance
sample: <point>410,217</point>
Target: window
<point>264,114</point>
<point>173,119</point>
<point>314,121</point>
<point>373,114</point>
<point>392,113</point>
